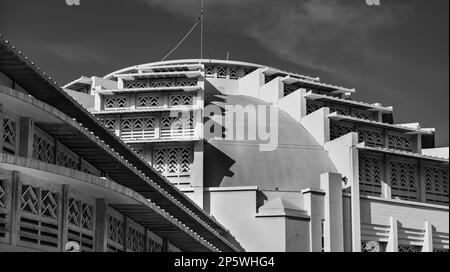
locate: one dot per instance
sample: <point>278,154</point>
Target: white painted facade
<point>345,177</point>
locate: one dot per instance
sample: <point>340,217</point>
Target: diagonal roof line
<point>42,87</point>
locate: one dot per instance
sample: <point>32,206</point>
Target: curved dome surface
<point>295,164</point>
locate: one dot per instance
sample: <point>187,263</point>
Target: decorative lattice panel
<point>408,248</point>
<point>4,209</point>
<point>135,238</point>
<point>221,71</point>
<point>209,71</point>
<point>162,83</point>
<point>181,100</point>
<point>436,184</point>
<point>372,246</point>
<point>186,82</point>
<point>399,141</point>
<point>404,179</point>
<point>177,127</point>
<point>115,232</point>
<point>340,109</point>
<point>370,174</point>
<point>9,135</point>
<point>80,218</point>
<point>138,128</point>
<point>2,193</point>
<point>372,137</point>
<point>173,161</point>
<point>43,146</point>
<point>234,72</point>
<point>288,89</point>
<point>66,158</point>
<point>38,216</point>
<point>338,129</point>
<point>148,100</point>
<point>312,106</point>
<point>115,102</point>
<point>137,84</point>
<point>154,246</point>
<point>363,114</point>
<point>109,123</point>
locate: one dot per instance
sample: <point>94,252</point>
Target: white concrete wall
<point>236,210</point>
<point>378,211</point>
<point>318,125</point>
<point>294,104</point>
<point>272,91</point>
<point>250,84</point>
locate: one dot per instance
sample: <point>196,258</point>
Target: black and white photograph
<point>248,129</point>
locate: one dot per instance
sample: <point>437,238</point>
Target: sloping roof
<point>39,85</point>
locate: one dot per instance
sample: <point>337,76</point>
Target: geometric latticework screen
<point>115,231</point>
<point>153,245</point>
<point>404,178</point>
<point>147,100</point>
<point>371,136</point>
<point>370,174</point>
<point>180,100</point>
<point>81,221</point>
<point>363,114</point>
<point>175,127</point>
<point>109,123</point>
<point>436,184</point>
<point>9,135</point>
<point>5,208</point>
<point>160,83</point>
<point>340,109</point>
<point>312,106</point>
<point>43,146</point>
<point>408,248</point>
<point>221,71</point>
<point>115,102</point>
<point>66,158</point>
<point>135,238</point>
<point>38,216</point>
<point>173,161</point>
<point>399,141</point>
<point>339,129</point>
<point>137,128</point>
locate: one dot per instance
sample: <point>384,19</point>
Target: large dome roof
<point>294,165</point>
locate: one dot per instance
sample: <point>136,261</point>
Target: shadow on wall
<point>217,164</point>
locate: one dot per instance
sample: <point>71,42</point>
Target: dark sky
<point>396,53</point>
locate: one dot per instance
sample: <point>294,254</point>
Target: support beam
<point>331,183</point>
<point>26,137</point>
<point>392,245</point>
<point>428,238</point>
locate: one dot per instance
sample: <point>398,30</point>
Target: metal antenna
<point>201,31</point>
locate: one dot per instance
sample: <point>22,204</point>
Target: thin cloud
<point>319,34</point>
<point>77,52</point>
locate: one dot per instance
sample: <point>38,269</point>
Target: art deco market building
<point>64,177</point>
<point>343,176</point>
